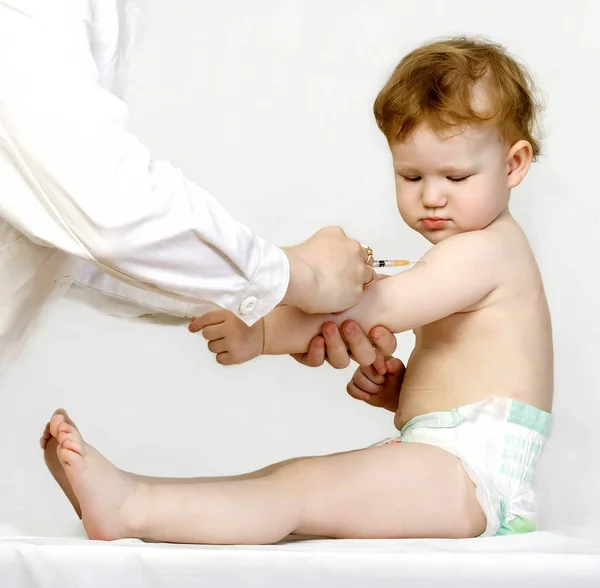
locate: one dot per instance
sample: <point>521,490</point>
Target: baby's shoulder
<point>485,257</point>
<point>472,246</point>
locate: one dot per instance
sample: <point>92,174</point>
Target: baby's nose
<point>433,196</point>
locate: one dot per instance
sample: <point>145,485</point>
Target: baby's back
<point>501,346</point>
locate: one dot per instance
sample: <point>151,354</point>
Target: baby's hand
<point>378,387</point>
<point>230,338</point>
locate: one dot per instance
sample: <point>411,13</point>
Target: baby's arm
<point>454,275</point>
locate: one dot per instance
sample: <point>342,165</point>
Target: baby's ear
<point>519,159</point>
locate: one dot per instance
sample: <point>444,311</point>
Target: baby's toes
<point>55,423</point>
<point>70,438</point>
<point>46,436</point>
<point>74,444</point>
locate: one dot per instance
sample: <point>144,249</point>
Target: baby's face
<point>449,184</point>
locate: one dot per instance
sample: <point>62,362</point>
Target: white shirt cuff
<point>265,290</point>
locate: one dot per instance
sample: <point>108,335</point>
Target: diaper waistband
<point>507,409</point>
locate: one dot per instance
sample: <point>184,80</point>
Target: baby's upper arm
<point>452,276</point>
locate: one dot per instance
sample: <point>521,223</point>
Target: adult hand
<point>339,346</point>
<point>328,273</point>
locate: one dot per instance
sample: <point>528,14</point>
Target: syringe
<point>391,262</point>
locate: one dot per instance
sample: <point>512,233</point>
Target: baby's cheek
<point>406,210</point>
<point>478,210</point>
<point>475,220</point>
<point>404,214</point>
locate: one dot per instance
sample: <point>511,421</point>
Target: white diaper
<point>499,442</point>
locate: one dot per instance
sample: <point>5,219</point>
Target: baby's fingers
<point>214,317</point>
<point>357,393</point>
<point>218,346</point>
<point>369,381</point>
<point>214,332</point>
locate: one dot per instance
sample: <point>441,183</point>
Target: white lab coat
<point>81,200</point>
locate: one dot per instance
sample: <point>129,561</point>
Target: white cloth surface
<point>77,187</point>
<point>525,561</point>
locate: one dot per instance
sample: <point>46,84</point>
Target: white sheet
<point>526,561</point>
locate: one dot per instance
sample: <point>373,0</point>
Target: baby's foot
<point>108,499</point>
<point>50,446</point>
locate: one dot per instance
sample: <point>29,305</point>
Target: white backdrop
<point>268,104</point>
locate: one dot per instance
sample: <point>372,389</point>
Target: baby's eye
<point>413,179</point>
<point>460,179</point>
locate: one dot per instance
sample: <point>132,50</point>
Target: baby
<point>474,408</point>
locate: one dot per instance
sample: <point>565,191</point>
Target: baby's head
<point>459,116</point>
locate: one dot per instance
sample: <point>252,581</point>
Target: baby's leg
<point>50,446</point>
<point>270,469</point>
<point>398,490</point>
<point>249,476</point>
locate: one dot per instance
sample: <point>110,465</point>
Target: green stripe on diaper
<point>530,417</point>
<point>516,526</point>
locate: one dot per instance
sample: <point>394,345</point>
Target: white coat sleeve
<point>82,183</point>
<point>91,286</point>
<point>113,296</point>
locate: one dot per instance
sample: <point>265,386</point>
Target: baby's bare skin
<point>501,346</point>
<point>476,301</point>
<point>307,496</point>
<point>479,312</point>
<point>455,362</point>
